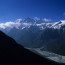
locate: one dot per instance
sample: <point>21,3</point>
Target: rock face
<point>13,53</point>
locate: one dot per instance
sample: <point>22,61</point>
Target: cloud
<point>26,24</point>
<point>15,24</point>
<point>46,20</point>
<point>23,24</point>
<point>10,24</point>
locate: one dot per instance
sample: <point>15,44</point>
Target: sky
<point>11,10</point>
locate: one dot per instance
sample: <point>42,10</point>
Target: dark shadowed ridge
<point>13,53</point>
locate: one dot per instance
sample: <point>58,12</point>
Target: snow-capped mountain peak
<point>58,25</point>
<point>27,22</point>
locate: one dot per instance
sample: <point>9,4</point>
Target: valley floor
<point>48,55</point>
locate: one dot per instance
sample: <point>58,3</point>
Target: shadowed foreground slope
<point>13,53</point>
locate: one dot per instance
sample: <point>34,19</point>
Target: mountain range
<point>36,33</point>
<point>13,53</point>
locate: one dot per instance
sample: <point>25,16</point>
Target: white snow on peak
<point>45,25</point>
<point>27,22</point>
<point>63,22</point>
<point>18,20</point>
<point>57,25</point>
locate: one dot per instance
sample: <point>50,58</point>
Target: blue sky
<point>11,10</point>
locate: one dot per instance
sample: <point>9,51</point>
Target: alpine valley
<point>37,33</point>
